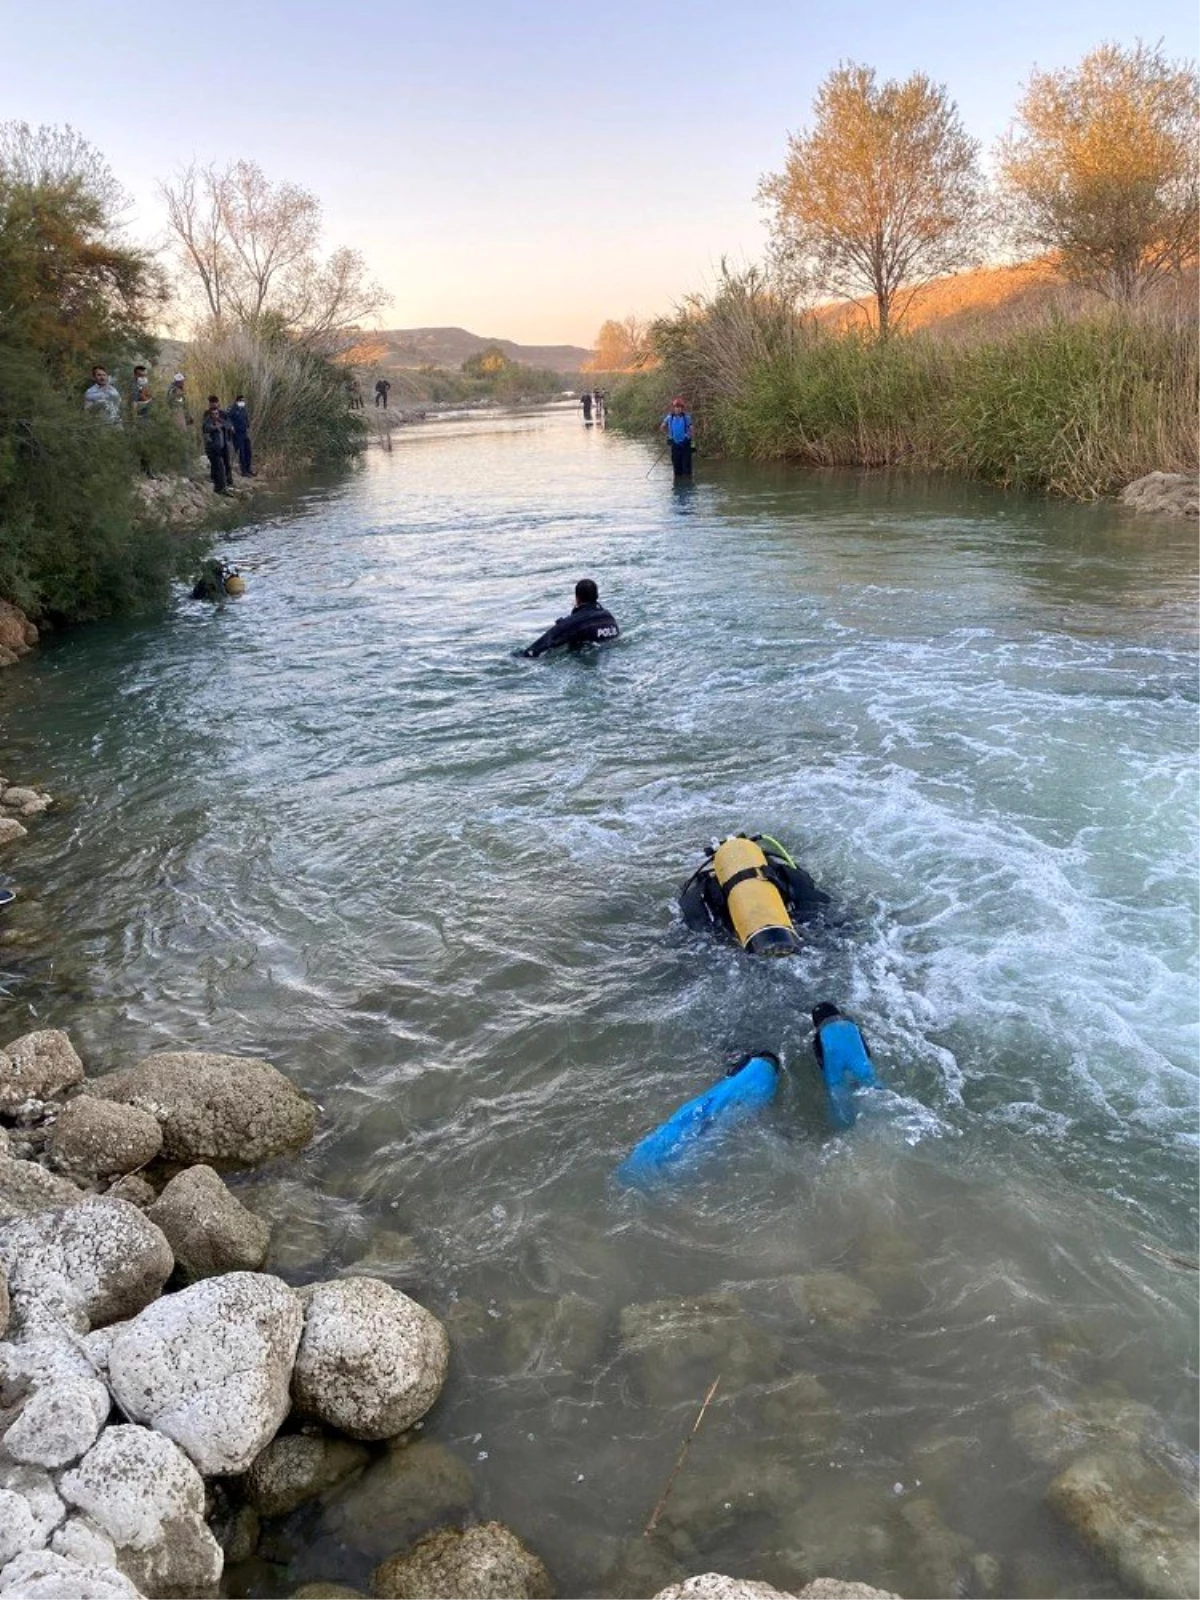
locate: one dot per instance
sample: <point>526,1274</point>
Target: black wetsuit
<point>591,623</point>
<point>702,900</point>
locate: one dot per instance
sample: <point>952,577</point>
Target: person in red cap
<point>677,425</point>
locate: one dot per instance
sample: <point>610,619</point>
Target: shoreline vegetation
<point>1070,399</point>
<point>1076,385</point>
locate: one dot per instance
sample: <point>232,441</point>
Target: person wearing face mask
<point>239,426</point>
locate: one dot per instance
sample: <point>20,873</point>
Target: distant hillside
<point>450,347</point>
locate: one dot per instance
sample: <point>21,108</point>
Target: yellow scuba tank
<point>235,584</point>
<point>756,909</point>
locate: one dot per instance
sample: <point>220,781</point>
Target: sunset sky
<point>522,170</point>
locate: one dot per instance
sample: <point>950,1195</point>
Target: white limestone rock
<point>46,1575</point>
<point>80,1539</point>
<point>38,1065</point>
<point>208,1229</point>
<point>231,1109</point>
<point>18,1530</point>
<point>35,1487</point>
<point>93,1139</point>
<point>147,1497</point>
<point>59,1423</point>
<point>53,1356</point>
<point>485,1562</point>
<point>209,1367</point>
<point>371,1361</point>
<point>93,1263</point>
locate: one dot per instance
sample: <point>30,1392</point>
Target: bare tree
<point>249,248</point>
<point>881,195</point>
<point>1101,168</point>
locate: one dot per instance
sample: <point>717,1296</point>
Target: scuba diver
<point>588,623</point>
<point>216,580</point>
<point>750,889</point>
<point>844,1060</point>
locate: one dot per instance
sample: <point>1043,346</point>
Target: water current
<point>337,824</point>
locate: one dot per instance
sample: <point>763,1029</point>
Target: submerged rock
<point>485,1562</point>
<point>38,1065</point>
<point>801,1409</point>
<point>148,1498</point>
<point>834,1300</point>
<point>1136,1517</point>
<point>95,1263</point>
<point>94,1139</point>
<point>417,1483</point>
<point>371,1361</point>
<point>677,1347</point>
<point>207,1228</point>
<point>10,831</point>
<point>1052,1433</point>
<point>713,1586</point>
<point>297,1467</point>
<point>209,1367</point>
<point>232,1109</point>
<point>543,1336</point>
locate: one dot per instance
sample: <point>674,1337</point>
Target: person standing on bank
<point>677,425</point>
<point>239,426</point>
<point>588,623</point>
<point>214,427</point>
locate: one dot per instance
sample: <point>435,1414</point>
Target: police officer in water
<point>588,623</point>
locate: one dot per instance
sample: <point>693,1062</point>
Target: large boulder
<point>37,1066</point>
<point>26,1187</point>
<point>46,1575</point>
<point>17,633</point>
<point>713,1586</point>
<point>1136,1517</point>
<point>94,1139</point>
<point>18,1530</point>
<point>209,1231</point>
<point>148,1498</point>
<point>59,1423</point>
<point>297,1467</point>
<point>1172,494</point>
<point>209,1367</point>
<point>371,1362</point>
<point>486,1562</point>
<point>97,1262</point>
<point>236,1110</point>
<point>10,831</point>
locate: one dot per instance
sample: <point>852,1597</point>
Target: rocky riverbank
<point>187,501</point>
<point>1169,494</point>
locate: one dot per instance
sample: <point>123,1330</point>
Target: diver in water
<point>588,623</point>
<point>214,581</point>
<point>844,1060</point>
<point>752,891</point>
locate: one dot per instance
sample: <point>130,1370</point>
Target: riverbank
<point>1076,406</point>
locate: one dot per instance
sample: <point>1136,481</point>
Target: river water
<point>337,824</point>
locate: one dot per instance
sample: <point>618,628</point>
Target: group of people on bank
<point>751,891</point>
<point>224,430</point>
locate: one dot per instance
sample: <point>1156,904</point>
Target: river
<point>337,824</point>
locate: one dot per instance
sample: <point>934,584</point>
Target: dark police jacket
<point>587,624</point>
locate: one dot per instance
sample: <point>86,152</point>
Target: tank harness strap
<point>743,876</point>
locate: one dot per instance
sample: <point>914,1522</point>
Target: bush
<point>71,549</point>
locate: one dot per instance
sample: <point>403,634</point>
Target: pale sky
<point>524,170</point>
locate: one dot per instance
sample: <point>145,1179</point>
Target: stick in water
<point>679,1460</point>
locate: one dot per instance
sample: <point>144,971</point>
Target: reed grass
<point>1075,401</point>
<point>297,401</point>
